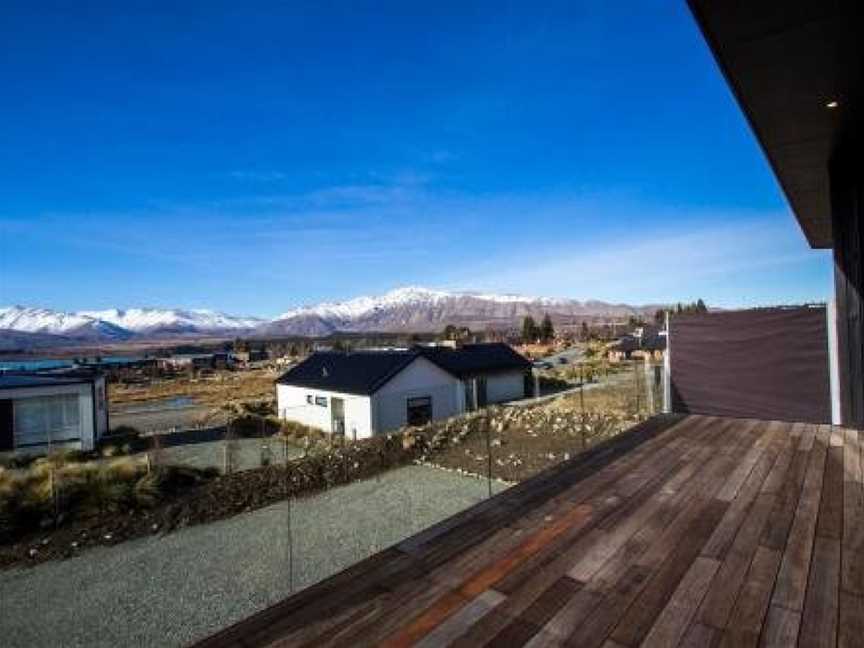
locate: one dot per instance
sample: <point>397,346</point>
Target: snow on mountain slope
<point>115,324</point>
<point>43,320</point>
<point>144,320</point>
<point>360,306</point>
<point>421,309</point>
<point>408,309</point>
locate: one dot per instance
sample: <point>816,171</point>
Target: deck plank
<point>691,531</point>
<point>819,620</point>
<point>794,569</point>
<point>675,617</point>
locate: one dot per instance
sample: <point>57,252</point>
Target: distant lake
<point>41,364</point>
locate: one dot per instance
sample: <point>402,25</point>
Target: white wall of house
<point>387,409</point>
<point>40,422</point>
<point>292,405</point>
<point>505,386</point>
<point>420,378</point>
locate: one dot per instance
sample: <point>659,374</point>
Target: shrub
<point>253,425</point>
<point>54,489</point>
<point>124,439</point>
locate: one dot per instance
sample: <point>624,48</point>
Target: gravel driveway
<point>170,590</point>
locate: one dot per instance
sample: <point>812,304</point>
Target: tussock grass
<point>56,488</point>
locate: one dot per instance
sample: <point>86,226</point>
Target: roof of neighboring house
<point>364,372</point>
<point>625,344</point>
<point>471,359</point>
<point>654,342</point>
<point>18,381</point>
<point>360,372</point>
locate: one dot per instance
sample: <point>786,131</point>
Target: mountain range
<point>410,309</point>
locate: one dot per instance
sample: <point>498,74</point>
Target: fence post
<point>488,455</point>
<point>667,370</point>
<point>649,387</point>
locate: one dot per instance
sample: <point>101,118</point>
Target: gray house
<point>39,412</point>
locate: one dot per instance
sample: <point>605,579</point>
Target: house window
<point>309,398</point>
<point>45,419</point>
<point>419,410</point>
<point>321,401</point>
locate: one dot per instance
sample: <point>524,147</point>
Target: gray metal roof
<point>19,381</point>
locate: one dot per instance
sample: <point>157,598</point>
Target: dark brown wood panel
<point>769,364</point>
<point>847,211</point>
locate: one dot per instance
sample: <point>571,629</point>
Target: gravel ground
<point>211,454</point>
<point>163,414</point>
<point>170,590</point>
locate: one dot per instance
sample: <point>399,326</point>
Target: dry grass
<point>217,390</point>
<point>55,488</point>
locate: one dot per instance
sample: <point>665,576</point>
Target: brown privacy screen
<point>767,363</point>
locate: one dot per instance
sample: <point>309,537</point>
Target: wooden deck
<point>691,532</point>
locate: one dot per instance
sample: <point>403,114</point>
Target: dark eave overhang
<point>785,61</point>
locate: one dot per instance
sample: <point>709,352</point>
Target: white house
<point>363,393</point>
<point>39,412</point>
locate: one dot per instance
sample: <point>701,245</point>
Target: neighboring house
<point>39,412</point>
<point>249,357</point>
<point>186,361</point>
<point>623,349</point>
<point>644,342</point>
<point>364,393</point>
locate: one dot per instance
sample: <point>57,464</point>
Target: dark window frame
<point>418,410</point>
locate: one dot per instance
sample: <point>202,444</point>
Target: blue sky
<point>253,159</point>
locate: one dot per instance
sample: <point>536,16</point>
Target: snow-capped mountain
<point>410,309</point>
<point>118,325</point>
<point>70,325</point>
<point>421,310</point>
<point>157,320</point>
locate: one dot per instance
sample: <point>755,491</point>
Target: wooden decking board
<point>776,478</point>
<point>850,624</point>
<point>647,521</point>
<point>690,531</point>
<point>745,623</point>
<point>656,593</point>
<point>606,505</point>
<point>781,628</point>
<point>673,620</point>
<point>699,636</point>
<point>819,620</point>
<point>447,632</point>
<point>726,531</point>
<point>830,523</point>
<point>720,599</point>
<point>795,566</point>
<point>852,562</point>
<point>777,529</point>
<point>651,544</point>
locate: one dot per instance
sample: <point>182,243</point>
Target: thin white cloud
<point>249,175</point>
<point>731,262</point>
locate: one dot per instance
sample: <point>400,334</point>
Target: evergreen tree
<point>701,307</point>
<point>547,331</point>
<point>530,332</point>
<point>585,332</point>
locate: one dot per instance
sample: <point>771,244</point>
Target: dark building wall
<point>769,364</point>
<point>847,196</point>
<point>7,433</point>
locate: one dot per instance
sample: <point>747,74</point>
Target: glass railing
<point>173,535</point>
